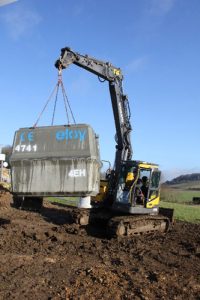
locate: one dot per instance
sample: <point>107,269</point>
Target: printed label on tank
<point>33,141</point>
<point>77,173</point>
<point>71,134</point>
<point>24,148</point>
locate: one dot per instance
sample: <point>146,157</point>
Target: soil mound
<point>5,196</point>
<point>44,257</point>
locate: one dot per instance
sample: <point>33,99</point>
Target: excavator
<point>129,197</point>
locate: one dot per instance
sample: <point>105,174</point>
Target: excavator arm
<point>120,104</point>
<point>100,68</point>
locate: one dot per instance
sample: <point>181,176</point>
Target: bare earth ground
<point>43,257</point>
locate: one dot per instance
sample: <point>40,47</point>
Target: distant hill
<point>184,179</point>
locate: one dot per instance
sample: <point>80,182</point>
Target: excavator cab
<point>138,190</point>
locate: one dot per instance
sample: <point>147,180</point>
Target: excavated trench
<point>44,257</point>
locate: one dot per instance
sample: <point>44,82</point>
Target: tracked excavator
<point>128,201</point>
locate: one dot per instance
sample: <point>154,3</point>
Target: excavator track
<point>121,225</point>
<point>80,216</point>
<point>135,225</point>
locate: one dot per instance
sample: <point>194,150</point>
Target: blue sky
<point>156,43</point>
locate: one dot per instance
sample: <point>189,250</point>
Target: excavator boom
<point>120,103</point>
<point>105,70</point>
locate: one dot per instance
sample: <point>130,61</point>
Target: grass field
<point>184,212</point>
<point>175,195</point>
<point>178,197</point>
<point>72,201</point>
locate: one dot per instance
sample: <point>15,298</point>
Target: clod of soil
<point>44,257</point>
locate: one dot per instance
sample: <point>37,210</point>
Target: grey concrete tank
<point>55,160</point>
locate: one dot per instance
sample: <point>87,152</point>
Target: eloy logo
<point>71,134</point>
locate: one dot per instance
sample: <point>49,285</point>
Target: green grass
<point>72,201</point>
<point>184,212</point>
<point>178,195</point>
<point>177,198</point>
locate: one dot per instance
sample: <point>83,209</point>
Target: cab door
<point>154,189</point>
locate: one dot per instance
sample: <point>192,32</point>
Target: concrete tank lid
<point>56,126</point>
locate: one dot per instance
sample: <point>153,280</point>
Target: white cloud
<point>5,2</point>
<point>20,21</point>
<point>136,64</point>
<point>160,7</point>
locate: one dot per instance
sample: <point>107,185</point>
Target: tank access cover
<point>55,161</point>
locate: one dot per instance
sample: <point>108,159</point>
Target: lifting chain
<point>67,105</point>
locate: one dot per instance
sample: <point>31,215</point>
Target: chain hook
<point>59,74</point>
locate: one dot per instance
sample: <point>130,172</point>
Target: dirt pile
<point>5,197</point>
<point>43,257</point>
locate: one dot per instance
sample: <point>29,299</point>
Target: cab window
<point>155,180</point>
